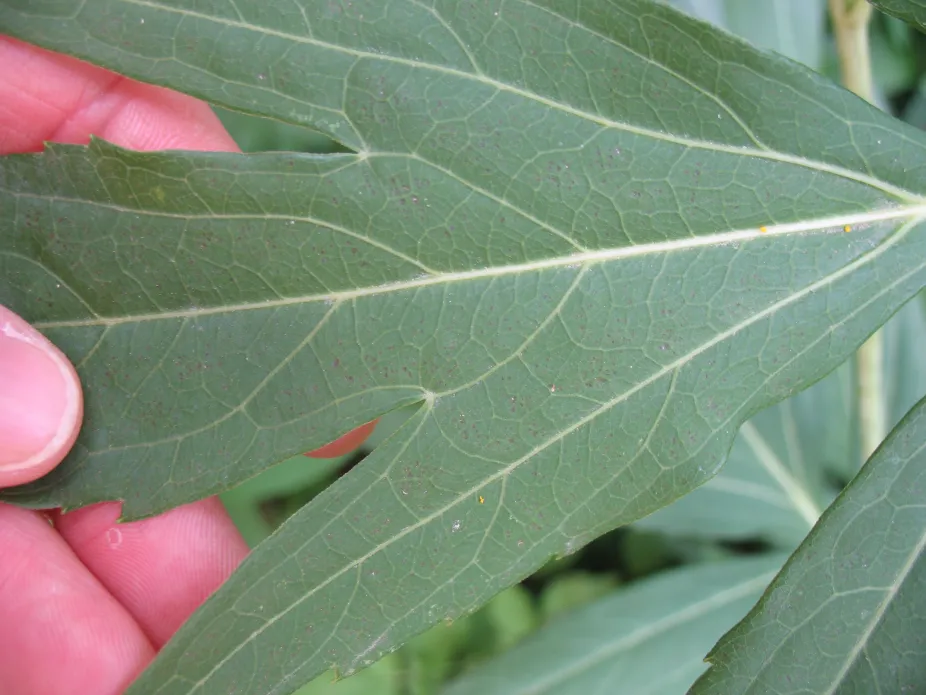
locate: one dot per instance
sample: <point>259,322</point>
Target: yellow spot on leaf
<point>847,228</point>
<point>763,229</point>
<point>482,500</point>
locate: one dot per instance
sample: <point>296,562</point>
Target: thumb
<point>40,402</point>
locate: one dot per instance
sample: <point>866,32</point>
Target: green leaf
<point>433,655</point>
<point>550,239</point>
<point>648,637</point>
<point>573,589</point>
<point>848,611</point>
<point>291,476</point>
<point>894,67</point>
<point>912,11</point>
<point>190,258</point>
<point>779,475</point>
<point>254,134</point>
<point>502,622</point>
<point>771,485</point>
<point>243,502</point>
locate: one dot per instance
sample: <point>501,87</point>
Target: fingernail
<point>40,401</point>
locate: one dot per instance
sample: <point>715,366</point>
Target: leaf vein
<point>557,437</point>
<point>892,190</point>
<point>826,225</point>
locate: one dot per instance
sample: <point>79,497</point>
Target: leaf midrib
<point>914,213</point>
<point>801,500</point>
<point>505,471</point>
<point>755,491</point>
<point>889,189</point>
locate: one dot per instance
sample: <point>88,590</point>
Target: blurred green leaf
<point>644,552</point>
<point>297,473</point>
<point>574,589</point>
<point>649,637</point>
<point>793,28</point>
<point>893,66</point>
<point>502,622</point>
<point>904,363</point>
<point>847,614</point>
<point>914,112</point>
<point>433,656</point>
<point>254,134</point>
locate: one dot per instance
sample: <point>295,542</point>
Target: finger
<point>46,96</point>
<point>61,630</point>
<point>161,569</point>
<point>40,402</point>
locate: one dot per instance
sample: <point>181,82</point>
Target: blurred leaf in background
<point>256,134</point>
<point>793,28</point>
<point>650,637</point>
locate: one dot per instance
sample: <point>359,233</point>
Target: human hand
<point>85,603</point>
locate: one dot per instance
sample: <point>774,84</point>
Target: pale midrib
<point>577,260</point>
<point>772,155</point>
<point>636,638</point>
<point>801,500</point>
<point>554,438</point>
<point>742,488</point>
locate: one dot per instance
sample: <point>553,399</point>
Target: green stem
<point>850,24</point>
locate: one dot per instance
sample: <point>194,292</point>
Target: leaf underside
<point>587,239</point>
<point>848,611</point>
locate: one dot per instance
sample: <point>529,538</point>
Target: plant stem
<point>850,24</point>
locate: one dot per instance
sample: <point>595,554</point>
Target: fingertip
<point>154,118</point>
<point>41,405</point>
<point>62,631</point>
<point>162,568</point>
<point>46,96</point>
